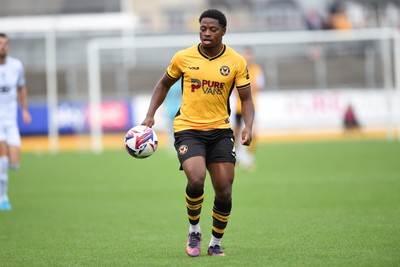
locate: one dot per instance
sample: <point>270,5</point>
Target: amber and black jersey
<point>207,84</point>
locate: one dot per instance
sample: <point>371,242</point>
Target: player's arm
<point>23,101</point>
<point>160,92</point>
<point>247,115</point>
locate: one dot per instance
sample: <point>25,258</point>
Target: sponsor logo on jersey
<point>194,68</point>
<point>224,70</point>
<point>208,87</point>
<point>196,84</point>
<point>4,89</point>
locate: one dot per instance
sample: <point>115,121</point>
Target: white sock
<point>194,228</point>
<point>3,178</point>
<point>13,166</point>
<point>214,241</point>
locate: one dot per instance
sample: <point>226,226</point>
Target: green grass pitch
<point>306,204</point>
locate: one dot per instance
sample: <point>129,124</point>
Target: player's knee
<point>196,177</point>
<point>196,183</point>
<point>224,194</point>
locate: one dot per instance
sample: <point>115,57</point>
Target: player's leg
<point>221,160</point>
<point>242,154</point>
<point>9,159</point>
<point>191,154</point>
<point>14,157</point>
<point>4,203</point>
<point>195,171</point>
<point>222,176</point>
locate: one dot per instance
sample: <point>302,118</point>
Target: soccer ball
<point>141,141</point>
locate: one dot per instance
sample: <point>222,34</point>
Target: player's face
<point>3,47</point>
<point>211,32</point>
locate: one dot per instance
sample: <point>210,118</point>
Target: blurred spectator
<point>246,155</point>
<point>338,18</point>
<point>350,121</point>
<point>313,20</point>
<point>392,15</point>
<point>356,13</point>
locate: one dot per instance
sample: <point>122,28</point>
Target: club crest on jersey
<point>183,149</point>
<point>224,70</point>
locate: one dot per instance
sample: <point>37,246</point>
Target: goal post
<point>94,47</point>
<point>396,47</point>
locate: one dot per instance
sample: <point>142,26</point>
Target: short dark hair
<point>214,14</point>
<point>3,35</point>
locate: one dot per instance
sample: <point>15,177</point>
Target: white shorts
<point>9,133</point>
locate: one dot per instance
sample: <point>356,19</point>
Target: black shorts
<point>214,145</point>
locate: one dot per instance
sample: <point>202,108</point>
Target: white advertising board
<point>306,109</point>
<point>324,108</point>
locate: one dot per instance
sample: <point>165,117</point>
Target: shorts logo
<point>224,70</point>
<point>183,149</point>
<point>233,152</point>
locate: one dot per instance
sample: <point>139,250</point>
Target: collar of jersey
<point>211,58</point>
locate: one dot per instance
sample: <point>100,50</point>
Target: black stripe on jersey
<point>211,58</point>
<point>182,86</point>
<point>228,102</point>
<point>169,76</point>
<point>243,86</point>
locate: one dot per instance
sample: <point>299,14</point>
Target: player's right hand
<point>148,121</point>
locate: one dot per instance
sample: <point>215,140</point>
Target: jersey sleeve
<point>174,70</point>
<point>242,78</point>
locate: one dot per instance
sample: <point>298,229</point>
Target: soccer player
<point>246,156</point>
<point>204,140</point>
<point>12,87</point>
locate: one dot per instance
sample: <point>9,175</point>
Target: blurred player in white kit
<point>12,88</point>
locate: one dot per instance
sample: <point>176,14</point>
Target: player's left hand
<point>26,116</point>
<point>246,136</point>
